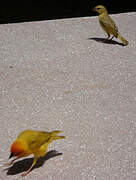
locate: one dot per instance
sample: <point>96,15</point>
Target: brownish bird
<point>108,24</point>
<point>32,142</point>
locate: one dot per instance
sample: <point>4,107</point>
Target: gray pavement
<point>58,75</point>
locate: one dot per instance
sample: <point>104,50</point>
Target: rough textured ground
<point>58,75</point>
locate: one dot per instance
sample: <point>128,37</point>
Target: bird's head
<point>100,9</point>
<point>17,149</point>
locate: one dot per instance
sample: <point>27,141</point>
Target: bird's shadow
<point>106,41</point>
<point>24,165</point>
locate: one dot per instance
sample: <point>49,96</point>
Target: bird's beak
<point>11,155</point>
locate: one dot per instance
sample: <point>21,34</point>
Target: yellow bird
<point>32,142</point>
<point>108,24</point>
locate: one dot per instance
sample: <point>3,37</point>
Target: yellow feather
<point>107,24</point>
<point>33,142</point>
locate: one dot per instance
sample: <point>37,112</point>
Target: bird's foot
<point>11,162</point>
<point>8,163</point>
<point>24,174</point>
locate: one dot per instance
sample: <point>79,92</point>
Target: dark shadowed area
<point>35,10</point>
<point>23,165</point>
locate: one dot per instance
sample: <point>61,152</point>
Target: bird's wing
<point>109,24</point>
<point>35,139</point>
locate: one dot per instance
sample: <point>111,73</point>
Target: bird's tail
<point>54,135</point>
<point>125,42</point>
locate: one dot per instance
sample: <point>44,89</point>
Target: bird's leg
<point>108,36</point>
<point>112,37</point>
<point>28,171</point>
<point>10,162</point>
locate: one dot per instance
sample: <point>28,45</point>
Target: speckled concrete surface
<point>55,75</point>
